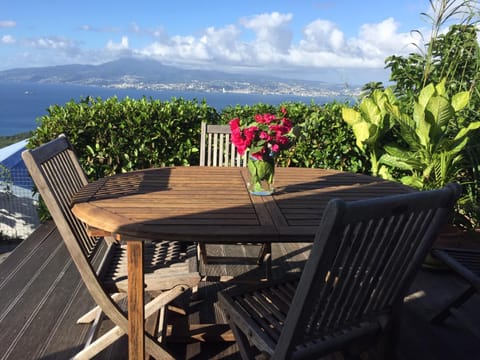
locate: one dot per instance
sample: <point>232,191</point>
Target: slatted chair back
<point>216,148</point>
<point>365,256</point>
<point>58,175</point>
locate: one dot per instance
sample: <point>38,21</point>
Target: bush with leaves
<point>113,136</point>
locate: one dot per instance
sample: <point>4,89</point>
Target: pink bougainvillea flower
<point>267,135</point>
<point>234,124</point>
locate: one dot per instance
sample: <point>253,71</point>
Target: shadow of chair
<point>364,257</point>
<point>466,263</point>
<point>217,150</point>
<point>170,267</point>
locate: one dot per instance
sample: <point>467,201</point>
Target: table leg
<point>136,321</point>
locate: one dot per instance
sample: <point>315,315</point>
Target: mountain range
<point>145,73</point>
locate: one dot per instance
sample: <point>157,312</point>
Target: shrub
<point>115,136</point>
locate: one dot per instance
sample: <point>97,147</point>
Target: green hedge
<point>113,136</point>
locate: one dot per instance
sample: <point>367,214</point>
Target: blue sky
<point>332,40</point>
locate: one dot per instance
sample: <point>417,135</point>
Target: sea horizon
<point>22,103</point>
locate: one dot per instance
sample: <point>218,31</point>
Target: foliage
<point>432,154</point>
<point>454,57</point>
<point>371,122</point>
<point>424,150</point>
<point>115,136</point>
<point>323,140</point>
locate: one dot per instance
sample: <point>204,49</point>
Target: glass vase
<point>262,173</point>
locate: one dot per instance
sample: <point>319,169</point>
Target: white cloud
<point>53,42</point>
<point>322,35</point>
<point>382,39</point>
<point>273,33</point>
<point>7,23</point>
<point>223,43</point>
<point>323,45</point>
<point>7,39</point>
<point>123,45</point>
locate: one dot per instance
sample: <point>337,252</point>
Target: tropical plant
<point>370,87</point>
<point>431,148</point>
<point>425,149</point>
<point>371,122</point>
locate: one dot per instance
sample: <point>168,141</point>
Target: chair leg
<point>442,315</point>
<point>202,252</point>
<point>265,253</point>
<point>265,256</point>
<point>161,301</point>
<point>92,314</point>
<point>242,342</point>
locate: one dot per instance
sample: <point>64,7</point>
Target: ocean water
<point>21,104</point>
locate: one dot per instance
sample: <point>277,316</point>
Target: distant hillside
<point>151,74</point>
<point>140,70</point>
<point>12,139</point>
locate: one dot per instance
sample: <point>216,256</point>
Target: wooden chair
<point>170,267</point>
<point>363,260</point>
<point>216,149</point>
<point>466,263</point>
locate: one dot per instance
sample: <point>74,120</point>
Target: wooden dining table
<point>211,204</point>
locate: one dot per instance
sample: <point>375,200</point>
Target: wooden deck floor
<point>41,296</point>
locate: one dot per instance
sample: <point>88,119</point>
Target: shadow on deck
<point>42,296</point>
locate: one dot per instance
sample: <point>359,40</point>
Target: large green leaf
<point>396,162</point>
<point>425,94</point>
<point>422,126</point>
<point>440,111</point>
<point>351,116</point>
<point>413,181</point>
<point>371,111</point>
<point>460,100</point>
<point>440,88</point>
<point>464,131</point>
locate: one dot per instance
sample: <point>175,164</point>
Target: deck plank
<point>41,296</point>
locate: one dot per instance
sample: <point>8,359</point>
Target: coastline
<point>22,103</point>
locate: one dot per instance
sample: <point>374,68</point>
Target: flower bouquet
<point>263,138</point>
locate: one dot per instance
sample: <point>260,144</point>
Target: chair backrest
<point>216,149</point>
<point>365,256</point>
<point>58,175</point>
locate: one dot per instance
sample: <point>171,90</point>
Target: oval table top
<point>213,203</point>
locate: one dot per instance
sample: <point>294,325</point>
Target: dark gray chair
<point>466,263</point>
<point>364,258</point>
